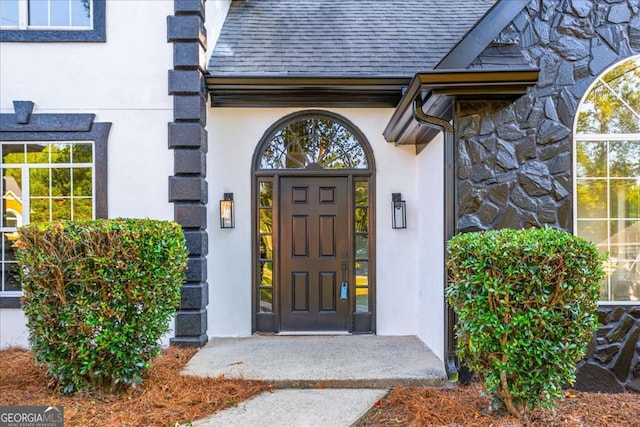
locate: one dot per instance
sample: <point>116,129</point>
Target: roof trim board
<point>482,34</point>
<point>290,91</point>
<point>433,86</point>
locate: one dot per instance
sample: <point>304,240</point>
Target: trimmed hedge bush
<point>98,296</point>
<point>526,304</point>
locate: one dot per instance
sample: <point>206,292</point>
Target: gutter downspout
<point>450,362</point>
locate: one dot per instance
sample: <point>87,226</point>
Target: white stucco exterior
<point>405,287</point>
<point>124,81</point>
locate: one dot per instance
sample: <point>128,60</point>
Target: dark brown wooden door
<point>314,254</point>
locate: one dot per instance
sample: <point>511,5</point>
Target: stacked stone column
<point>188,140</point>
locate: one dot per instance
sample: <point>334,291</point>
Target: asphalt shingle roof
<point>365,38</point>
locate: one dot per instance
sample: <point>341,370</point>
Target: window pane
<point>39,210</point>
<point>82,182</point>
<point>59,12</point>
<point>61,209</point>
<point>592,159</point>
<point>266,247</point>
<point>362,300</point>
<point>592,198</point>
<point>362,273</point>
<point>80,13</point>
<point>362,193</point>
<point>12,197</point>
<point>82,208</point>
<point>39,182</point>
<point>624,158</point>
<point>8,13</point>
<point>37,153</point>
<point>10,275</point>
<point>625,239</point>
<point>61,182</point>
<point>266,273</point>
<point>12,153</point>
<point>362,249</point>
<point>624,198</point>
<point>314,142</point>
<point>266,194</point>
<point>362,220</point>
<point>38,13</point>
<point>594,231</point>
<point>60,153</point>
<point>266,220</point>
<point>266,300</point>
<point>82,153</point>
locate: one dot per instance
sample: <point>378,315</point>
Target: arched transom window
<point>313,142</point>
<point>608,176</point>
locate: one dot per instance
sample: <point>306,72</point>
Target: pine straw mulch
<point>165,397</point>
<point>466,406</point>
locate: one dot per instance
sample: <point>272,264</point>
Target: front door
<point>314,231</point>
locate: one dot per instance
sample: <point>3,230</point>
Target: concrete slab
<point>309,408</point>
<point>358,361</point>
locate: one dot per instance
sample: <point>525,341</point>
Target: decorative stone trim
<point>612,364</point>
<point>187,136</point>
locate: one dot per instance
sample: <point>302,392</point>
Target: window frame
<point>43,131</point>
<point>62,34</point>
<point>606,138</point>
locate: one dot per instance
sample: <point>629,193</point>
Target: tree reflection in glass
<point>313,142</point>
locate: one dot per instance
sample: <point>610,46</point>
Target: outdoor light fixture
<point>226,211</point>
<point>398,211</point>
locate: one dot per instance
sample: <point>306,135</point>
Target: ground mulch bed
<point>166,397</point>
<point>466,406</point>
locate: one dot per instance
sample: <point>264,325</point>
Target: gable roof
<point>364,38</point>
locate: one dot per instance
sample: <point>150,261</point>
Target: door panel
<point>315,246</point>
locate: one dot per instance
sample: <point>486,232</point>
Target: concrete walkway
<point>319,380</point>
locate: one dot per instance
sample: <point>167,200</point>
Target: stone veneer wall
<point>613,361</point>
<point>514,159</point>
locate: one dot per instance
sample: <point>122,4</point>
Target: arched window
<point>313,142</point>
<point>607,172</point>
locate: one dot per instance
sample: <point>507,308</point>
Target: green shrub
<point>526,303</point>
<point>98,296</point>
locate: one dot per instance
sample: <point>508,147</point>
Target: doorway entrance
<point>313,203</point>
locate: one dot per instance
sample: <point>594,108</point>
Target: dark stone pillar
<point>187,187</point>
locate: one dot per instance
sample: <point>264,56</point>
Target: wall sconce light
<point>227,219</point>
<point>398,211</point>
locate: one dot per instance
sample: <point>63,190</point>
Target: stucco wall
<point>233,136</point>
<point>430,262</point>
<point>123,81</point>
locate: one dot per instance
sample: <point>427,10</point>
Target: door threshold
<point>299,333</point>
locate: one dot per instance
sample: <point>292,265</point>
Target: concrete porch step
<point>353,361</point>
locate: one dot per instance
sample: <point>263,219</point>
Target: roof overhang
<point>438,89</point>
<point>287,91</point>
